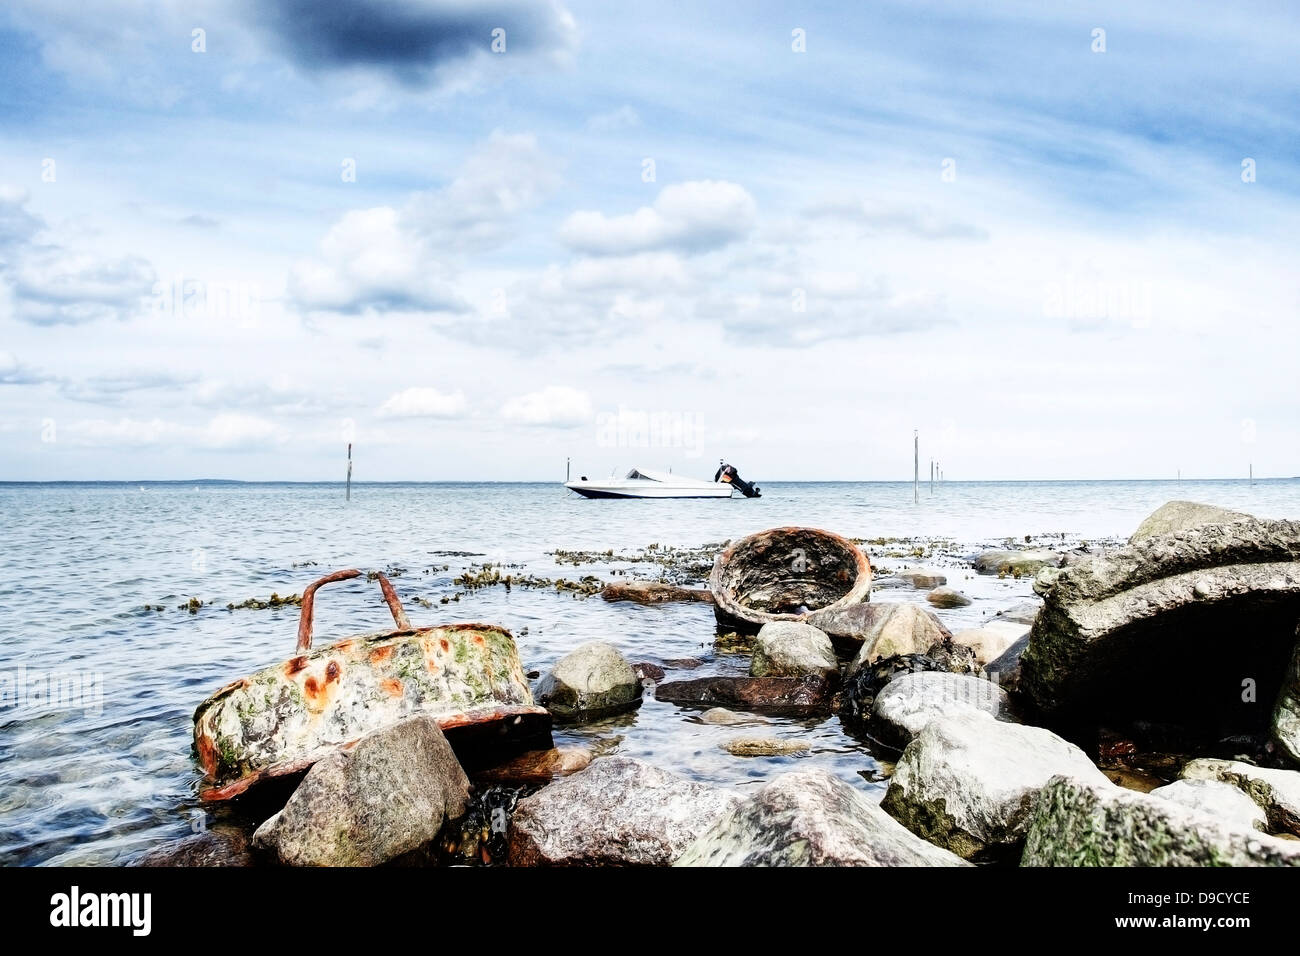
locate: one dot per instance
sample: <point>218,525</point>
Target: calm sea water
<point>83,564</point>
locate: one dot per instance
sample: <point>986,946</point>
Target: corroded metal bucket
<point>785,574</point>
<point>284,718</point>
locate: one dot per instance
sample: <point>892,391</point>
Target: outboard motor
<point>729,474</point>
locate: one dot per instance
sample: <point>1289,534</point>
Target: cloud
<point>874,217</point>
<point>689,217</point>
<point>44,283</point>
<point>417,43</point>
<point>14,372</point>
<point>229,432</point>
<point>404,259</point>
<point>614,121</point>
<point>112,389</point>
<point>420,402</point>
<point>556,405</point>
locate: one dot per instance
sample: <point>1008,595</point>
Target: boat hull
<point>591,490</point>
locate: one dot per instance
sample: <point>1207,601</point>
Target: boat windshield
<point>637,475</point>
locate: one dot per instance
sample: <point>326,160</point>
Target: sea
<point>114,622</point>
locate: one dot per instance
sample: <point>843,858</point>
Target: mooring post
<point>566,469</point>
<point>916,467</point>
<point>349,484</point>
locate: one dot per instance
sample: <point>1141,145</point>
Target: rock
<point>720,715</point>
<point>645,671</point>
<point>1076,823</point>
<point>792,649</point>
<point>898,629</point>
<point>809,818</point>
<point>764,747</point>
<point>1276,792</point>
<point>860,690</point>
<point>219,846</point>
<point>946,597</point>
<point>1183,516</point>
<point>537,766</point>
<point>1221,800</point>
<point>923,579</point>
<point>1286,712</point>
<point>1016,563</point>
<point>967,782</point>
<point>910,701</point>
<point>1005,669</point>
<point>784,574</point>
<point>589,683</point>
<point>788,696</point>
<point>888,582</point>
<point>1168,630</point>
<point>617,812</point>
<point>386,795</point>
<point>683,663</point>
<point>990,641</point>
<point>653,592</point>
<point>1023,612</point>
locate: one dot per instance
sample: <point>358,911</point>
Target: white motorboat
<point>645,483</point>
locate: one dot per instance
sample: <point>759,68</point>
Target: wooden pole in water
<point>916,468</point>
<point>1252,474</point>
<point>566,469</point>
<point>931,476</point>
<point>349,486</point>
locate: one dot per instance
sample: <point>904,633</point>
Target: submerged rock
<point>911,701</point>
<point>617,812</point>
<point>792,649</point>
<point>861,689</point>
<point>653,592</point>
<point>720,715</point>
<point>898,629</point>
<point>1142,635</point>
<point>946,597</point>
<point>1076,823</point>
<point>809,818</point>
<point>219,846</point>
<point>1023,612</point>
<point>385,796</point>
<point>968,782</point>
<point>1183,516</point>
<point>923,579</point>
<point>589,683</point>
<point>765,747</point>
<point>790,696</point>
<point>1276,792</point>
<point>990,641</point>
<point>1221,800</point>
<point>784,574</point>
<point>1016,563</point>
<point>537,766</point>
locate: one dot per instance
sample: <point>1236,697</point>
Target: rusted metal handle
<point>309,602</point>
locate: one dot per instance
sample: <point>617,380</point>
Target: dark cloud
<point>410,39</point>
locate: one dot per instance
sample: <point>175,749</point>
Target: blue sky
<point>647,236</point>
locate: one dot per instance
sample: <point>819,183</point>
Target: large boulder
<point>386,795</point>
<point>1016,563</point>
<point>1276,792</point>
<point>589,683</point>
<point>1183,516</point>
<point>792,649</point>
<point>1077,823</point>
<point>858,696</point>
<point>1192,630</point>
<point>990,641</point>
<point>968,782</point>
<point>1221,800</point>
<point>911,701</point>
<point>898,629</point>
<point>809,818</point>
<point>617,812</point>
<point>785,574</point>
<point>1286,712</point>
<point>786,696</point>
<point>1004,669</point>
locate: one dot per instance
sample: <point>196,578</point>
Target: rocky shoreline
<point>1143,709</point>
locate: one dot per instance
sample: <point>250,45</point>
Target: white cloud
<point>557,405</point>
<point>223,432</point>
<point>691,217</point>
<point>418,402</point>
<point>614,121</point>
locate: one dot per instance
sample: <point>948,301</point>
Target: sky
<point>476,239</point>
